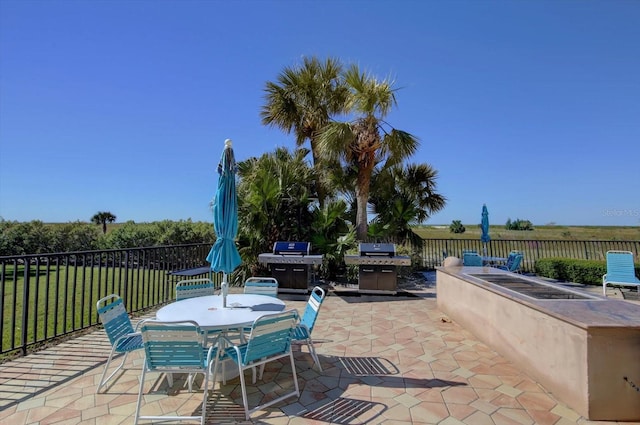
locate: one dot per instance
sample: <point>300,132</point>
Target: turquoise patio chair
<point>174,347</point>
<point>302,334</point>
<point>620,271</point>
<point>261,286</point>
<point>514,260</point>
<point>189,288</point>
<point>270,339</point>
<point>471,259</point>
<point>123,338</point>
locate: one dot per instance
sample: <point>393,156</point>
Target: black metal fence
<point>435,250</point>
<point>44,297</point>
<point>49,296</point>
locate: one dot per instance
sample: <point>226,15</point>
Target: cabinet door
<point>299,276</point>
<point>282,274</point>
<point>387,278</point>
<point>367,277</point>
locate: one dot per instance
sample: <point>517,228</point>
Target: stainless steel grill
<point>377,271</point>
<point>291,264</point>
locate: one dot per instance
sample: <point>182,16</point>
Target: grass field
<point>603,233</point>
<point>600,233</point>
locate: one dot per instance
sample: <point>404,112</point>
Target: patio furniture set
<point>197,335</point>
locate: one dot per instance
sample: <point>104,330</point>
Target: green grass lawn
<point>604,233</point>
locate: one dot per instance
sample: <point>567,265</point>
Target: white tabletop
<point>208,312</point>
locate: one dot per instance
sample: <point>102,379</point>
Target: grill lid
<point>291,248</point>
<point>378,249</point>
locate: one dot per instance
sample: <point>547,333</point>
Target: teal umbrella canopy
<point>224,256</point>
<point>484,225</point>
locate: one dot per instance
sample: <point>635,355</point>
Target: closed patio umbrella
<point>224,256</point>
<point>484,225</point>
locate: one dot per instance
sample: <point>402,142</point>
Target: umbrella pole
<point>224,289</point>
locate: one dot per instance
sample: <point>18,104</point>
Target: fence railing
<point>49,296</point>
<point>44,297</point>
<point>435,250</point>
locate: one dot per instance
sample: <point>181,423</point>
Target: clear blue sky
<point>532,107</point>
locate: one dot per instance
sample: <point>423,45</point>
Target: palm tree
<point>273,201</point>
<point>302,101</point>
<point>103,218</point>
<point>368,140</point>
<point>401,196</point>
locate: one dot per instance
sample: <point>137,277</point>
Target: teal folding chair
<point>190,288</point>
<point>174,347</point>
<point>513,262</point>
<point>302,333</point>
<point>123,338</point>
<point>621,271</point>
<point>471,259</point>
<point>270,339</point>
<point>261,286</point>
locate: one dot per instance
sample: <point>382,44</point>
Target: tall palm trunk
<point>321,192</point>
<point>362,199</point>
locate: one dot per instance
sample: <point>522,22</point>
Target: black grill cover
<point>379,249</point>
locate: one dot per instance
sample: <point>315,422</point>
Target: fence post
<point>25,307</point>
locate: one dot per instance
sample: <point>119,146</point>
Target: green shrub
<point>588,272</point>
<point>456,226</point>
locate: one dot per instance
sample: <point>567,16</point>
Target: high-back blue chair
<point>123,338</point>
<point>471,259</point>
<point>620,271</point>
<point>514,260</point>
<point>190,288</point>
<point>174,347</point>
<point>303,330</point>
<point>270,339</point>
<point>261,286</point>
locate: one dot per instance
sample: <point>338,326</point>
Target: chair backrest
<point>620,266</point>
<point>172,345</point>
<point>313,306</point>
<point>471,259</point>
<point>114,317</point>
<point>271,335</point>
<point>261,286</point>
<point>469,251</point>
<point>190,288</point>
<point>513,261</point>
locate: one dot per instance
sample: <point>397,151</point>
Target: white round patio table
<point>209,314</point>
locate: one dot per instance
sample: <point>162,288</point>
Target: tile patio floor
<point>387,360</point>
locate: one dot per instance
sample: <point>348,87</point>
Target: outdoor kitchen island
<point>583,348</point>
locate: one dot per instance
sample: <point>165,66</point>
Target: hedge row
<point>588,272</point>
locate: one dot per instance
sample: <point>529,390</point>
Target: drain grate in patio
<point>530,288</point>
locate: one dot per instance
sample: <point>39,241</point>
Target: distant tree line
<point>36,237</point>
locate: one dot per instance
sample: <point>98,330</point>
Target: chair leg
<point>104,381</point>
<point>312,351</point>
<point>243,387</point>
<point>135,420</point>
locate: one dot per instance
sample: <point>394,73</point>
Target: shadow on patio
<point>395,360</point>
